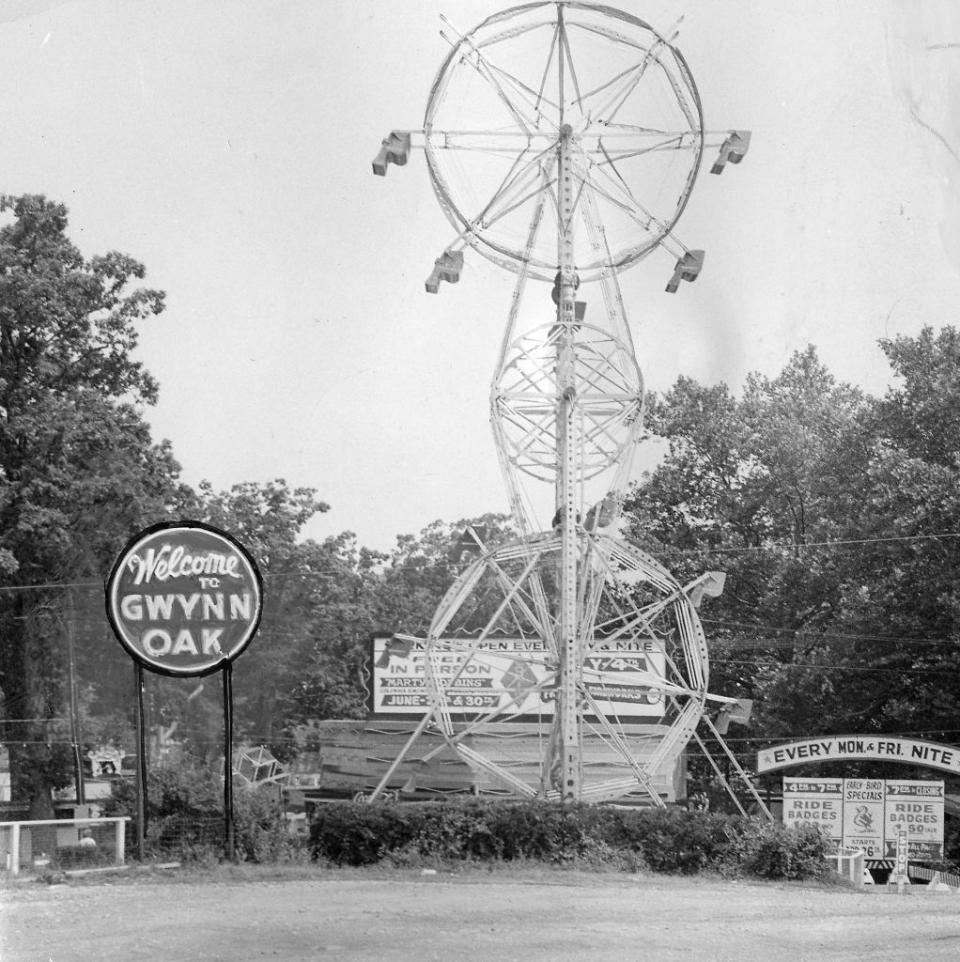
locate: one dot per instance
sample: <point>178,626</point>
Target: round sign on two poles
<point>184,598</point>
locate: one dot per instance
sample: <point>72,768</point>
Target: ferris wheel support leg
<point>718,773</point>
<point>738,768</point>
<point>401,755</point>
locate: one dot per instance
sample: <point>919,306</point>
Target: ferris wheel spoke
<point>533,98</point>
<point>484,68</point>
<point>620,184</point>
<point>644,218</point>
<point>604,86</point>
<point>600,372</point>
<point>535,431</point>
<point>565,52</point>
<point>492,214</point>
<point>516,180</point>
<point>617,183</point>
<point>530,380</point>
<point>616,739</point>
<point>538,96</point>
<point>513,590</point>
<point>541,94</point>
<point>603,430</point>
<point>493,141</point>
<point>635,619</point>
<point>536,388</point>
<point>604,378</point>
<point>670,141</point>
<point>619,89</point>
<point>617,131</point>
<point>497,77</point>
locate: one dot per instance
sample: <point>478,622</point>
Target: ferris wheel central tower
<point>563,140</point>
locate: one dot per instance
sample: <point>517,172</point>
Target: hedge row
<point>659,840</point>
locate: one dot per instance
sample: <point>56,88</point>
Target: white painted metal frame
<point>548,177</point>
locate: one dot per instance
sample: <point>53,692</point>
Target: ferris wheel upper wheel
<point>493,122</point>
<point>492,129</point>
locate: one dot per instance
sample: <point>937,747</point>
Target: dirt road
<point>475,918</point>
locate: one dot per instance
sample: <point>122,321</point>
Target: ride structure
<point>563,140</point>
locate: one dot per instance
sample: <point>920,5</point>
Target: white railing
<point>850,863</point>
<point>15,828</point>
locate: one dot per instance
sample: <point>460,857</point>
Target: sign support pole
<point>228,839</point>
<point>141,763</point>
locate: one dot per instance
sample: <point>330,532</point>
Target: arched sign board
<point>841,748</point>
<point>184,598</point>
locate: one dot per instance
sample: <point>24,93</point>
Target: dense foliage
<point>184,816</point>
<point>77,465</point>
<point>836,517</point>
<point>659,840</point>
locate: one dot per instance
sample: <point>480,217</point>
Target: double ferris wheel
<point>563,140</point>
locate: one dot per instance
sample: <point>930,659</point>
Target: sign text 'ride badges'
<point>184,599</point>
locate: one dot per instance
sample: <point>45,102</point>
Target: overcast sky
<point>227,145</point>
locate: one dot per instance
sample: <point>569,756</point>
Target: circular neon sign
<point>184,598</point>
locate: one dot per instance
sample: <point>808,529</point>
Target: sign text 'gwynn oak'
<point>184,598</point>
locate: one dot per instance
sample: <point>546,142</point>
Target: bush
<point>663,840</point>
<point>185,817</point>
<point>776,852</point>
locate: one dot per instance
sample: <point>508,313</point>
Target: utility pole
<point>74,699</point>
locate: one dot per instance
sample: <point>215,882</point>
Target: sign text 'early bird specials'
<point>869,814</point>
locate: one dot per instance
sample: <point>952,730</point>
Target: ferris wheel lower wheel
<point>493,664</point>
<point>494,119</point>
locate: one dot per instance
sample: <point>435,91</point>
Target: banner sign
<point>863,815</point>
<point>917,808</point>
<point>511,675</point>
<point>869,814</point>
<point>833,748</point>
<point>815,801</point>
<point>184,599</point>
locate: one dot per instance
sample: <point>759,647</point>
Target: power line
<point>743,549</point>
<point>830,667</point>
<point>799,633</point>
<point>53,584</point>
<point>791,546</point>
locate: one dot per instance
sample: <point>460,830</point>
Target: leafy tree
<point>78,467</point>
<point>920,416</point>
<point>421,569</point>
<point>267,519</point>
<point>827,509</point>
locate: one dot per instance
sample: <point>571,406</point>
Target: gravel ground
<point>553,916</point>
